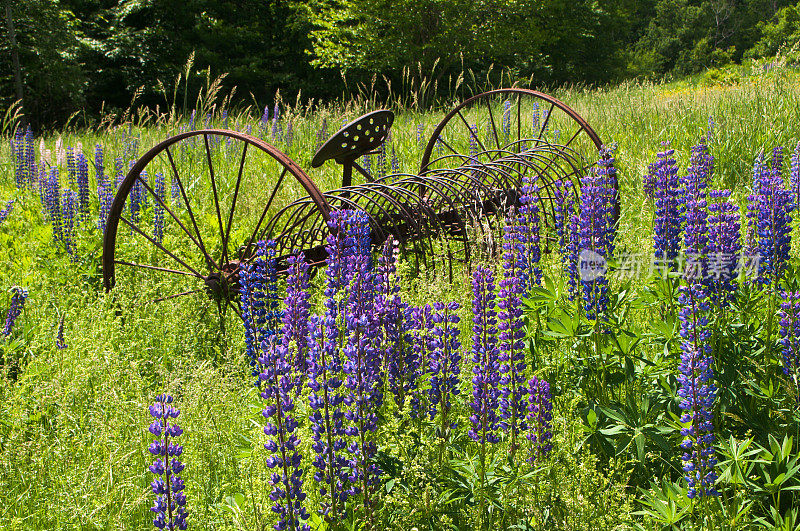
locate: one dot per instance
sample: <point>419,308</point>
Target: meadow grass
<point>73,422</point>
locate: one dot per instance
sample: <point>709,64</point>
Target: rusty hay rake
<point>228,190</point>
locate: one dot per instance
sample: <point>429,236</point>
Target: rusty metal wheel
<point>189,212</point>
<point>495,123</point>
<point>490,142</point>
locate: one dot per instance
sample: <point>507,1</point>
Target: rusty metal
<point>429,213</point>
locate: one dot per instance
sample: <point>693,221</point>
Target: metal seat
<point>357,138</point>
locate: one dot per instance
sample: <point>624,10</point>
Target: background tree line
<point>92,55</point>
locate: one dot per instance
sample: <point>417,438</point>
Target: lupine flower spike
<point>18,298</point>
<point>362,361</point>
<point>790,337</point>
<point>286,479</point>
<point>485,365</point>
<point>6,210</point>
<point>326,398</point>
<point>511,336</point>
<point>445,360</point>
<point>295,317</point>
<point>60,343</point>
<point>170,505</point>
<point>540,416</point>
<point>697,392</point>
<point>668,219</point>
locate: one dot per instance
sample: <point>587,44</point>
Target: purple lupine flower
<point>135,202</point>
<point>366,162</point>
<point>333,472</point>
<point>143,195</point>
<point>259,297</point>
<point>422,340</point>
<point>540,416</point>
<point>511,336</point>
<point>69,212</point>
<point>649,180</point>
<point>322,133</point>
<point>668,219</point>
<point>445,360</point>
<point>175,191</point>
<point>30,158</point>
<point>395,345</point>
<point>119,164</point>
<point>790,336</point>
<point>170,503</point>
<point>18,151</point>
<point>52,203</point>
<point>473,144</point>
<point>362,365</point>
<point>105,196</point>
<point>697,391</point>
<point>6,210</point>
<point>264,122</point>
<point>395,162</point>
<point>710,130</point>
<point>565,225</point>
<point>158,209</point>
<point>289,133</point>
<point>295,316</point>
<point>380,166</point>
<point>18,298</point>
<point>82,175</point>
<point>276,129</point>
<point>420,135</point>
<point>439,146</point>
<point>506,118</point>
<point>760,173</point>
<point>286,479</point>
<point>695,214</point>
<point>794,175</point>
<point>773,207</point>
<point>60,343</point>
<point>99,167</point>
<point>486,367</point>
<point>535,117</point>
<point>545,121</point>
<point>596,235</point>
<point>71,169</point>
<point>723,246</point>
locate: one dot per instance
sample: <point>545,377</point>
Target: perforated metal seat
<point>360,136</point>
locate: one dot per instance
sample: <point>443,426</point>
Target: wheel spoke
<point>235,196</point>
<point>235,309</point>
<point>491,118</point>
<point>472,133</point>
<point>544,124</point>
<point>155,268</point>
<point>266,208</point>
<point>176,295</point>
<point>161,247</point>
<point>216,200</point>
<point>172,214</point>
<point>574,136</point>
<point>209,261</point>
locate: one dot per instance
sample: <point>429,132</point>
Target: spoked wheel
<point>492,124</point>
<point>187,217</point>
<point>490,142</point>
